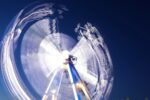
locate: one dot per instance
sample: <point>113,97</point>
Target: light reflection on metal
<point>40,62</point>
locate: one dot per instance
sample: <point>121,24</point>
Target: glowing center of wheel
<point>65,54</point>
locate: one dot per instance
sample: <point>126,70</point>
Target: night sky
<point>125,27</point>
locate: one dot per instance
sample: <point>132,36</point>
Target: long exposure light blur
<point>34,51</point>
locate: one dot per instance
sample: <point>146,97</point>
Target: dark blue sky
<point>125,26</point>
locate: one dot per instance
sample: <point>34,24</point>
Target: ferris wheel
<point>40,62</point>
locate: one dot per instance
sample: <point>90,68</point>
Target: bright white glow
<point>65,54</point>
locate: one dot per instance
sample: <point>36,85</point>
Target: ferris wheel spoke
<point>45,96</point>
<point>55,91</point>
<point>60,82</point>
